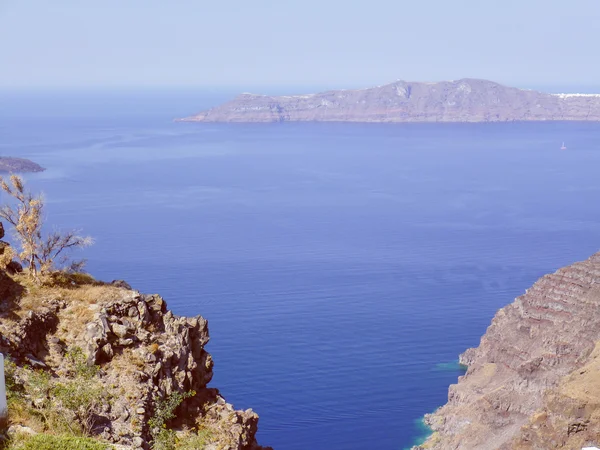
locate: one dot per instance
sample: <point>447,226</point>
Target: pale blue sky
<point>296,42</point>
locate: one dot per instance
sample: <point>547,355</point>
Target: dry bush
<point>82,300</point>
<point>8,254</point>
<point>128,363</point>
<point>39,251</point>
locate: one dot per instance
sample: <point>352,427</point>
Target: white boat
<point>564,147</point>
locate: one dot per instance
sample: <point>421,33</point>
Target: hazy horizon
<point>297,89</point>
<point>275,45</point>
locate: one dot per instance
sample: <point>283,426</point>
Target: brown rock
<point>119,329</point>
<point>14,267</point>
<point>121,284</point>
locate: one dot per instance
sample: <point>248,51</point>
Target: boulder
<point>121,284</point>
<point>14,267</point>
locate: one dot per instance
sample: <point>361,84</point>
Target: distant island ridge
<point>465,100</point>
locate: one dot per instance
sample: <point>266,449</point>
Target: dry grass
<point>20,413</point>
<point>83,303</point>
<point>128,364</point>
<point>574,401</point>
<point>583,384</point>
<point>83,299</point>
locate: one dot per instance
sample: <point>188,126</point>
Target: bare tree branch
<point>38,251</point>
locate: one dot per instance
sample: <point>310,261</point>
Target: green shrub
<point>81,394</point>
<point>77,365</point>
<point>62,405</point>
<point>10,369</point>
<point>194,441</point>
<point>51,442</point>
<point>164,439</point>
<point>164,410</point>
<point>169,440</point>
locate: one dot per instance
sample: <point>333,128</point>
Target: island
<point>9,164</point>
<point>465,100</point>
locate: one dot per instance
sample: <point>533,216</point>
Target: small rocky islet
<point>9,164</point>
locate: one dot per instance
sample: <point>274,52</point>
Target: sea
<point>342,267</point>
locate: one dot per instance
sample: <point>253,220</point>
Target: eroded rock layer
<point>534,380</point>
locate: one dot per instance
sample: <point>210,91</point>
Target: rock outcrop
<point>143,351</point>
<point>466,100</point>
<point>534,380</point>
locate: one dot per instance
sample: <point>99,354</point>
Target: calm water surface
<point>342,267</point>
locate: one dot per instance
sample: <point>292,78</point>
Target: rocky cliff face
<point>466,100</point>
<point>534,380</point>
<point>144,354</point>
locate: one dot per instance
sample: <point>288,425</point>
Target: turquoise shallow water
<point>341,266</point>
<point>452,366</point>
<point>421,433</point>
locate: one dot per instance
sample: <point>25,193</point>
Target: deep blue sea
<point>342,267</point>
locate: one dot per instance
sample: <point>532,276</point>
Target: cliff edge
<point>534,380</point>
<point>103,361</point>
<point>465,100</point>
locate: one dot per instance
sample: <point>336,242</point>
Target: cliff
<point>103,360</point>
<point>466,100</point>
<point>534,380</point>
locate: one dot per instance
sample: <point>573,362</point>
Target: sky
<point>329,43</point>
